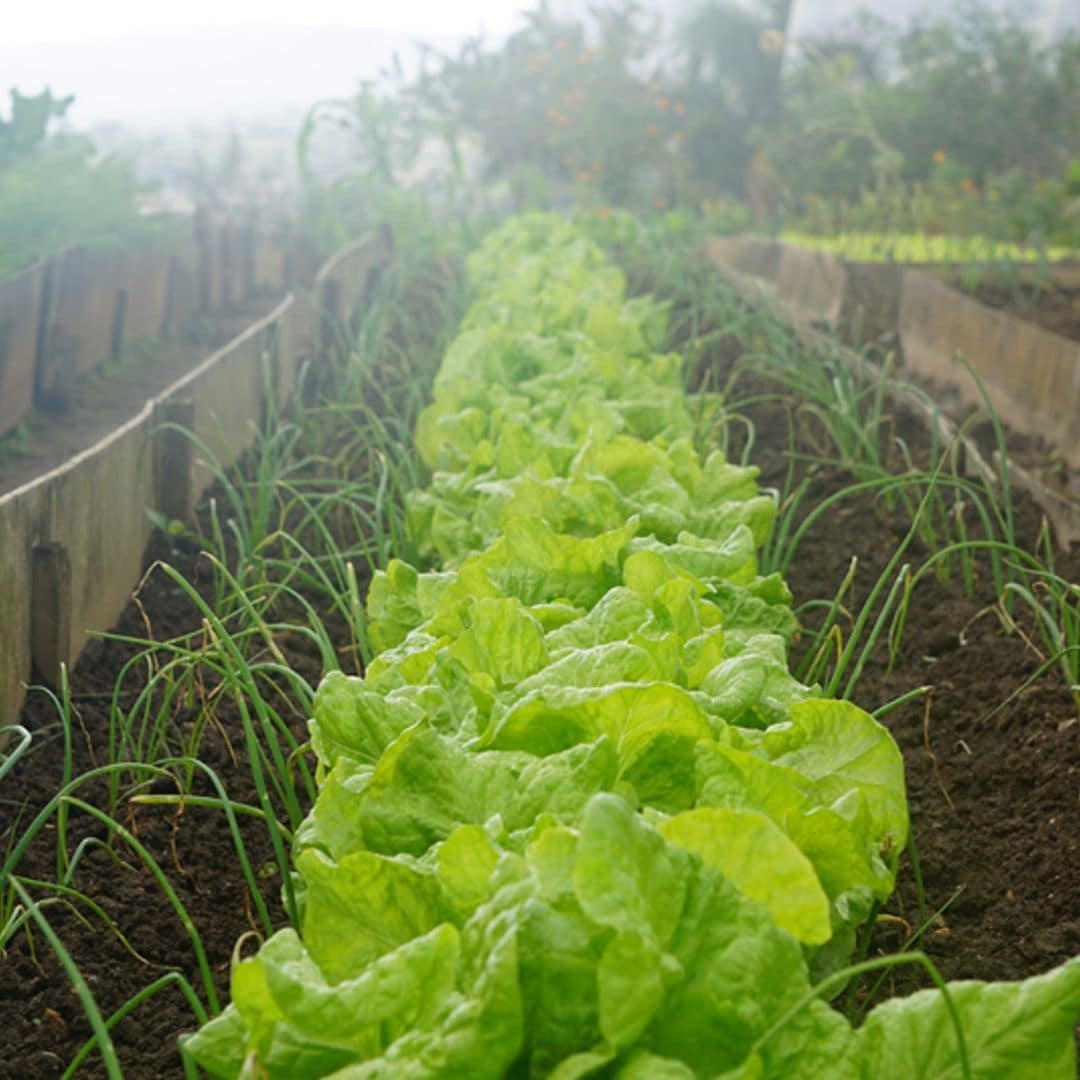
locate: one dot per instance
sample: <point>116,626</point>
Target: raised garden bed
<point>1004,775</point>
<point>194,848</point>
<point>993,797</point>
<point>1009,783</point>
<point>956,348</point>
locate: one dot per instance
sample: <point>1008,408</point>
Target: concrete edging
<point>21,299</point>
<point>72,540</point>
<point>1032,376</point>
<point>65,315</point>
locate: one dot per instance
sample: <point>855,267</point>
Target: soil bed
<point>994,804</point>
<point>45,1022</point>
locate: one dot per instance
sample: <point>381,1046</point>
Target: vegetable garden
<point>593,666</point>
<point>577,816</point>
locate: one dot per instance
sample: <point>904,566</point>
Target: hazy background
<point>205,101</point>
<point>156,67</point>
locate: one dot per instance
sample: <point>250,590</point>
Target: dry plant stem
<point>930,752</point>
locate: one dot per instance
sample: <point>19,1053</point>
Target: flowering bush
<point>567,109</point>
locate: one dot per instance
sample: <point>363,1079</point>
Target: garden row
<point>578,818</point>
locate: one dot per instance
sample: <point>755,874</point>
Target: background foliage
<point>55,189</point>
<point>958,123</point>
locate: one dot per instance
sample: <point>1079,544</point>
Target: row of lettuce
<point>578,819</point>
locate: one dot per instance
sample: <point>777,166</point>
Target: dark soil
<point>45,1024</point>
<point>994,802</point>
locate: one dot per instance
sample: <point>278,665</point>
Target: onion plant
<point>290,538</point>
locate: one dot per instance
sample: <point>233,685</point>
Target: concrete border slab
<point>750,254</point>
<point>1031,375</point>
<point>813,284</point>
<point>81,328</point>
<point>76,536</point>
<point>146,285</point>
<point>90,513</point>
<point>21,297</point>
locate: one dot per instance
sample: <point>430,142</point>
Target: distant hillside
<point>208,74</point>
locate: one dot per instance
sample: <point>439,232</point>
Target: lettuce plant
<point>578,818</point>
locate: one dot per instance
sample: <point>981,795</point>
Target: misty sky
<point>158,64</point>
<point>72,20</point>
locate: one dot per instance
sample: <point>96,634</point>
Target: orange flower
<point>561,44</point>
<point>604,213</point>
<point>585,55</point>
<point>584,176</point>
<point>663,103</point>
<point>652,129</point>
<point>771,42</point>
<point>969,186</point>
<point>680,108</point>
<point>939,157</point>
